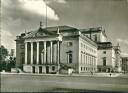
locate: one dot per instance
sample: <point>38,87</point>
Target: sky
<point>19,16</point>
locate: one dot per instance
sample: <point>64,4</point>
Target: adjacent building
<point>106,57</point>
<point>124,64</point>
<point>51,49</point>
<point>118,60</point>
<point>109,59</point>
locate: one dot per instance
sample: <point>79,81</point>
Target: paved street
<point>40,83</point>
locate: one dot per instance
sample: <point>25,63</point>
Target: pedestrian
<point>110,74</point>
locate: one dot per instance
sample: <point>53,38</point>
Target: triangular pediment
<point>39,33</point>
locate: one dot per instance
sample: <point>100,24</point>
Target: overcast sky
<point>21,15</point>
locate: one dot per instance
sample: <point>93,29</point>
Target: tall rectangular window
<point>104,61</point>
<point>69,57</point>
<point>81,58</point>
<point>84,58</point>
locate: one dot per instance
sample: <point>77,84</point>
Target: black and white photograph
<point>64,46</point>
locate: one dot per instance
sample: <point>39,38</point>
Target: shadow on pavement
<point>81,90</point>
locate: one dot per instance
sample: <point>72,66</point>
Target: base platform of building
<point>40,68</point>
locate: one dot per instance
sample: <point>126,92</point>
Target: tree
<point>3,54</point>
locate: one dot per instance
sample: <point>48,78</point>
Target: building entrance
<point>47,69</point>
<point>33,69</point>
<point>40,69</point>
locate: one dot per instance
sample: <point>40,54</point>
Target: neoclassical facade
<point>54,49</point>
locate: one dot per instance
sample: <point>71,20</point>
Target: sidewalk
<point>81,74</point>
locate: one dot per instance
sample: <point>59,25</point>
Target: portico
<point>42,55</point>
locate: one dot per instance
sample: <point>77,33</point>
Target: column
<point>26,52</point>
<point>42,58</point>
<point>37,60</point>
<point>44,52</point>
<point>54,54</point>
<point>31,52</point>
<point>48,55</point>
<point>58,54</point>
<point>51,52</point>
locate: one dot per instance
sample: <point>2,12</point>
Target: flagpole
<point>46,13</point>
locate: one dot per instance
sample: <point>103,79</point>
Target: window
<point>53,68</point>
<point>84,58</point>
<point>104,61</point>
<point>69,57</point>
<point>81,58</point>
<point>92,60</point>
<point>81,45</point>
<point>69,43</point>
<point>104,52</point>
<point>84,46</point>
<point>84,68</point>
<point>81,68</point>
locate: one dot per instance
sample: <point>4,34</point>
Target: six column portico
<point>42,55</point>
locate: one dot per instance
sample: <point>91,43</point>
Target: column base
<point>27,68</point>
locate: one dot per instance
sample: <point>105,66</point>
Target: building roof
<point>104,45</point>
<point>61,28</point>
<point>38,33</point>
<point>52,31</point>
<point>93,30</point>
<point>88,30</point>
<point>49,31</point>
